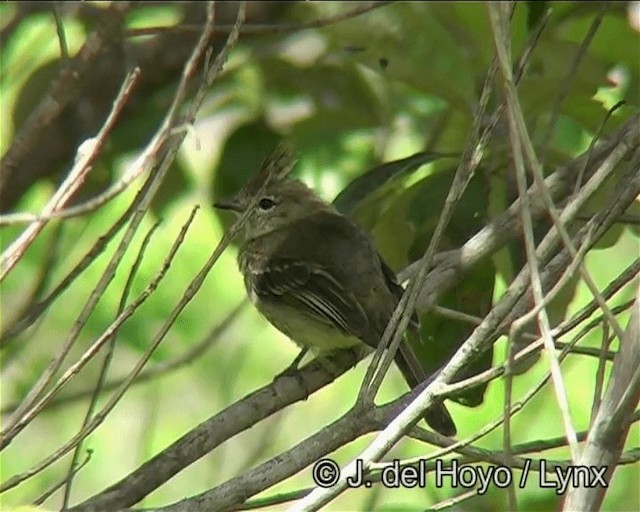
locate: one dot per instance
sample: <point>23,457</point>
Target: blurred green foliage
<point>376,88</point>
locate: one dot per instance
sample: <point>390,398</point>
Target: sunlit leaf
<point>373,179</point>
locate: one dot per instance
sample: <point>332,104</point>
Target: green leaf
<point>377,177</point>
<point>332,97</point>
<point>402,222</point>
<point>405,42</point>
<point>441,336</point>
<point>175,184</point>
<point>615,43</point>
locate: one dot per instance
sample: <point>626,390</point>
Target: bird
<point>316,275</point>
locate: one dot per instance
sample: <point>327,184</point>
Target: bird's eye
<point>266,203</point>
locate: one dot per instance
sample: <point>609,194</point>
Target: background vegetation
<point>352,86</point>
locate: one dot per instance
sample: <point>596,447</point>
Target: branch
<point>236,418</point>
<point>610,429</point>
<point>169,142</point>
<point>87,154</point>
<point>65,88</point>
<point>157,370</point>
<point>10,432</point>
<point>507,225</point>
<point>255,28</point>
<point>111,345</point>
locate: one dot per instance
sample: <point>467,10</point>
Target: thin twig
<point>399,321</point>
<point>264,402</point>
<point>106,363</point>
<point>62,38</point>
<point>611,427</point>
<point>626,276</point>
<point>87,154</point>
<point>106,278</point>
<point>564,85</point>
<point>97,419</point>
<point>322,496</point>
<point>499,230</point>
<point>208,435</point>
<point>452,502</point>
<point>521,131</point>
<point>41,282</point>
<point>26,319</point>
<point>64,89</point>
<point>592,144</point>
<point>152,372</point>
<point>47,494</point>
<point>263,29</point>
<point>558,220</point>
<point>145,162</point>
<point>517,135</point>
<point>500,25</point>
<point>597,389</point>
<point>585,351</point>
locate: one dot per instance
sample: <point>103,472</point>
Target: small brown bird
<point>316,275</point>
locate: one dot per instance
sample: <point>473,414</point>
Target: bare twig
<point>558,331</point>
<point>152,372</point>
<point>442,389</point>
<point>41,283</point>
<point>564,85</point>
<point>260,404</point>
<point>239,416</point>
<point>106,278</point>
<point>64,89</point>
<point>46,495</point>
<point>592,144</point>
<point>87,154</point>
<point>98,418</point>
<point>282,498</point>
<point>503,52</point>
<point>62,38</point>
<point>500,26</point>
<point>626,276</point>
<point>400,319</point>
<point>264,29</point>
<point>152,474</point>
<point>611,426</point>
<point>106,363</point>
<point>488,240</point>
<point>407,416</point>
<point>36,310</point>
<point>597,389</point>
<point>148,158</point>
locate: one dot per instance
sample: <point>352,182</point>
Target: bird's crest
<point>275,167</point>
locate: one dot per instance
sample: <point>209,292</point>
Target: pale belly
<point>306,331</point>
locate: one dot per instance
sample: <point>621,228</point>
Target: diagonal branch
<point>611,427</point>
<point>86,156</point>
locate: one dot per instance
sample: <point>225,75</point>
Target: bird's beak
<point>230,203</point>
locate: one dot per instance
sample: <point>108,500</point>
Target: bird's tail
<point>437,416</point>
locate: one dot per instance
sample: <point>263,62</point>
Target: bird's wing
<point>312,289</point>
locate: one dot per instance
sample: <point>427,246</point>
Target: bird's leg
<point>331,367</point>
<point>293,366</point>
